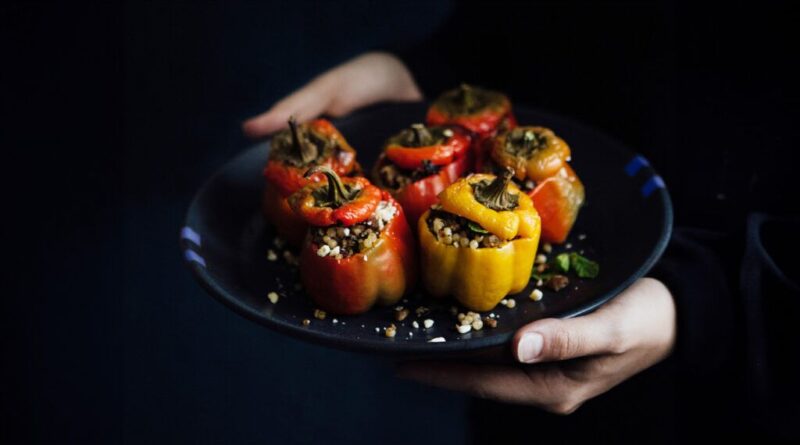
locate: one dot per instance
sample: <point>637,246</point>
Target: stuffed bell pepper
<point>481,112</point>
<point>540,159</point>
<point>293,151</point>
<point>359,250</point>
<point>418,163</point>
<point>479,243</point>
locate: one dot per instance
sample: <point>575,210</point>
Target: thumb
<point>552,339</point>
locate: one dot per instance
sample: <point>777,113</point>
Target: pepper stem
<point>305,150</point>
<point>422,136</point>
<point>336,193</point>
<point>467,96</point>
<point>494,194</point>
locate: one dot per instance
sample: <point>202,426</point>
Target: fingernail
<point>529,348</point>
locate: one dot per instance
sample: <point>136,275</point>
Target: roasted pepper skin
<point>418,196</point>
<point>454,147</point>
<point>477,278</point>
<point>480,278</point>
<point>283,179</point>
<point>380,275</point>
<point>482,124</point>
<point>544,162</point>
<point>360,209</point>
<point>522,221</point>
<point>558,200</point>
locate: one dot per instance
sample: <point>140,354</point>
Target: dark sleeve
<point>737,345</point>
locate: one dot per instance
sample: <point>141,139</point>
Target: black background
<point>113,115</point>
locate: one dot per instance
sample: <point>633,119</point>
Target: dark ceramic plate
<point>627,222</point>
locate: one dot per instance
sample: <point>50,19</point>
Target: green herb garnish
<point>562,262</point>
<point>476,228</point>
<point>583,267</point>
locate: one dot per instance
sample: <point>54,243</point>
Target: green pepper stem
<point>336,193</point>
<point>494,194</point>
<point>305,150</point>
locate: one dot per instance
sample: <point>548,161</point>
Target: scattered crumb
<point>271,255</point>
<point>401,314</point>
<point>547,247</point>
<point>540,259</point>
<point>504,302</point>
<point>415,324</point>
<point>568,246</point>
<point>428,323</point>
<point>463,328</point>
<point>306,322</point>
<point>422,310</point>
<point>511,303</point>
<point>557,282</point>
<point>477,324</point>
<point>437,340</point>
<point>491,322</point>
<point>336,321</point>
<point>319,314</point>
<point>378,330</point>
<point>582,236</point>
<point>273,297</point>
<point>391,331</point>
<point>536,295</point>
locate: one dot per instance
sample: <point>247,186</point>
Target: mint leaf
<point>584,267</point>
<point>476,228</point>
<point>562,262</point>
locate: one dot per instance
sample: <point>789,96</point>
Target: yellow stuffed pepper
<point>478,244</point>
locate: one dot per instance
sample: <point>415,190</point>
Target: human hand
<point>367,79</point>
<point>567,362</point>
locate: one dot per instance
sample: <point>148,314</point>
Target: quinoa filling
<point>393,177</point>
<point>456,231</point>
<point>340,242</point>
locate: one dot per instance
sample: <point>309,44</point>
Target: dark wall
<point>120,112</point>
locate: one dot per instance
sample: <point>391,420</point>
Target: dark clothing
<point>710,97</point>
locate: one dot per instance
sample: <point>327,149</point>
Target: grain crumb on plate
<point>463,328</point>
<point>536,295</point>
<point>306,322</point>
<point>271,255</point>
<point>401,313</point>
<point>391,331</point>
<point>437,340</point>
<point>319,314</point>
<point>415,324</point>
<point>428,323</point>
<point>273,297</point>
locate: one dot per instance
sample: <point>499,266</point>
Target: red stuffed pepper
<point>293,151</point>
<point>481,112</point>
<point>359,250</point>
<point>418,163</point>
<point>540,161</point>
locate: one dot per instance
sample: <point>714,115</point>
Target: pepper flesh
<point>418,196</point>
<point>479,111</point>
<point>380,275</point>
<point>462,107</point>
<point>351,210</point>
<point>454,147</point>
<point>558,200</point>
<point>452,157</point>
<point>477,278</point>
<point>536,164</point>
<point>284,177</point>
<point>459,199</point>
